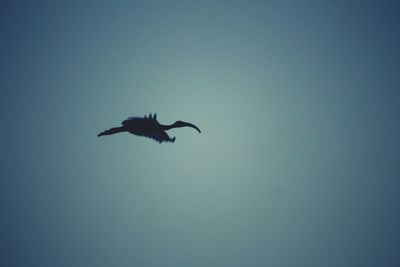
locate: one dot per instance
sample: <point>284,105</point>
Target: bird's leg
<point>113,131</point>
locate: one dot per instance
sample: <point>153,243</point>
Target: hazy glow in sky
<point>297,163</point>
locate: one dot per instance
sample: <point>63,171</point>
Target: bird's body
<point>148,127</point>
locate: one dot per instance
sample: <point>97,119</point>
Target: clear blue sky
<point>297,163</point>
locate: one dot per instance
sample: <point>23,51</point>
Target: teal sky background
<point>297,163</point>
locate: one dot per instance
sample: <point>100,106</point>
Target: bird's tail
<point>112,131</point>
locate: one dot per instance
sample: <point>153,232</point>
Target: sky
<point>297,163</point>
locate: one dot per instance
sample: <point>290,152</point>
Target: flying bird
<point>148,127</point>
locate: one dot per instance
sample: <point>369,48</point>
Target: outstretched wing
<point>160,136</point>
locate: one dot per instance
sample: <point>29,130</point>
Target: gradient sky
<point>297,163</point>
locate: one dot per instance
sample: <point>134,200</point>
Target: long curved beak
<point>191,125</point>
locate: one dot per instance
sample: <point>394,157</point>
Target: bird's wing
<point>131,120</point>
<point>160,136</point>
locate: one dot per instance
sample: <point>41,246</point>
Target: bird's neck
<point>169,126</point>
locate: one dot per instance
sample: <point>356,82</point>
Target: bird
<point>148,126</point>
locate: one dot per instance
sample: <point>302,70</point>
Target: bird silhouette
<point>148,127</point>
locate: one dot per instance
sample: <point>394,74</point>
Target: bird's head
<point>185,124</point>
